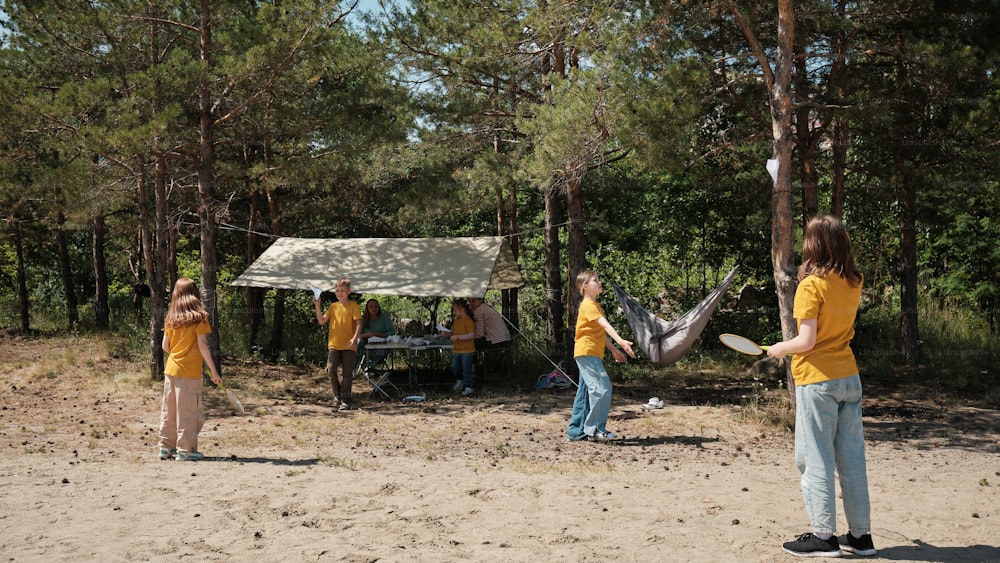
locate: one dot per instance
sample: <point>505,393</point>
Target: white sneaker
<point>457,386</point>
<point>189,456</point>
<point>605,436</point>
<point>467,391</point>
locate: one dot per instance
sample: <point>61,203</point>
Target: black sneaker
<point>808,545</point>
<point>857,546</point>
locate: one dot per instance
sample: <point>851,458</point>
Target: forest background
<point>142,141</point>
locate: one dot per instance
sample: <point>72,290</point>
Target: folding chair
<point>375,368</point>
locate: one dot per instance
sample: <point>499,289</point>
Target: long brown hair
<point>826,250</point>
<point>185,305</point>
<point>366,317</point>
<point>463,303</point>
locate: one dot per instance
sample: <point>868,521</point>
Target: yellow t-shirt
<point>342,321</point>
<point>590,336</point>
<point>463,325</point>
<point>185,359</point>
<point>834,305</point>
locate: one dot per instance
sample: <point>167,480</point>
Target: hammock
<point>665,343</point>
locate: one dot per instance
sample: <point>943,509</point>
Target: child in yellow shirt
<point>829,437</point>
<point>344,317</point>
<point>463,351</point>
<point>593,334</point>
<point>185,331</point>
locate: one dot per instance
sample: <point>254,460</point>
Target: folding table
<point>378,378</point>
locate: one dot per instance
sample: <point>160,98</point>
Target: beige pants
<point>181,415</point>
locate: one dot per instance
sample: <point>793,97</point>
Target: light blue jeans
<point>462,367</point>
<point>581,407</point>
<point>829,436</point>
<point>593,399</point>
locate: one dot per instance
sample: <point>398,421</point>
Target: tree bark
<point>154,243</point>
<point>839,166</point>
<point>22,278</point>
<point>838,79</point>
<point>66,270</point>
<point>577,247</point>
<point>806,145</point>
<point>782,224</point>
<point>274,345</point>
<point>206,188</point>
<point>101,309</point>
<point>908,327</point>
<point>152,260</point>
<point>515,247</point>
<point>254,296</point>
<point>553,271</point>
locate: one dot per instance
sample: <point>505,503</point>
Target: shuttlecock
<point>772,168</point>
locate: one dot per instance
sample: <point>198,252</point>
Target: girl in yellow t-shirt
<point>463,351</point>
<point>829,437</point>
<point>593,333</point>
<point>184,338</point>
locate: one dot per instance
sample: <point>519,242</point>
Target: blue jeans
<point>829,437</point>
<point>462,367</point>
<point>593,399</point>
<point>581,407</point>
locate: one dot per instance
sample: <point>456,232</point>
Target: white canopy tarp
<point>418,267</point>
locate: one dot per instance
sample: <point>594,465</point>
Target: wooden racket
<point>742,344</point>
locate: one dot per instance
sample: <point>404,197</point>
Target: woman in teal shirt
<point>374,322</point>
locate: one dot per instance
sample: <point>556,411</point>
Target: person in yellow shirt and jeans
<point>593,334</point>
<point>829,437</point>
<point>463,351</point>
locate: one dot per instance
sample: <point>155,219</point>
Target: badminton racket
<point>235,401</point>
<point>742,344</point>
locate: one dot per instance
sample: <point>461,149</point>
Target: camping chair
<point>375,367</point>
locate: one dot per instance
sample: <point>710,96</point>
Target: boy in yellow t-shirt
<point>344,317</point>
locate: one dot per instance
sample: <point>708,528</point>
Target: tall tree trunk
<point>909,334</point>
<point>154,243</point>
<point>782,224</point>
<point>152,260</point>
<point>779,83</point>
<point>206,188</point>
<point>577,246</point>
<point>22,277</point>
<point>553,271</point>
<point>101,309</point>
<point>806,145</point>
<point>839,166</point>
<point>66,269</point>
<point>838,78</point>
<point>908,327</point>
<point>274,344</point>
<point>254,296</point>
<point>515,247</point>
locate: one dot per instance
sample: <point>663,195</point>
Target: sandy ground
<point>486,478</point>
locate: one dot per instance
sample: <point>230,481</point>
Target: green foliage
<point>427,122</point>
